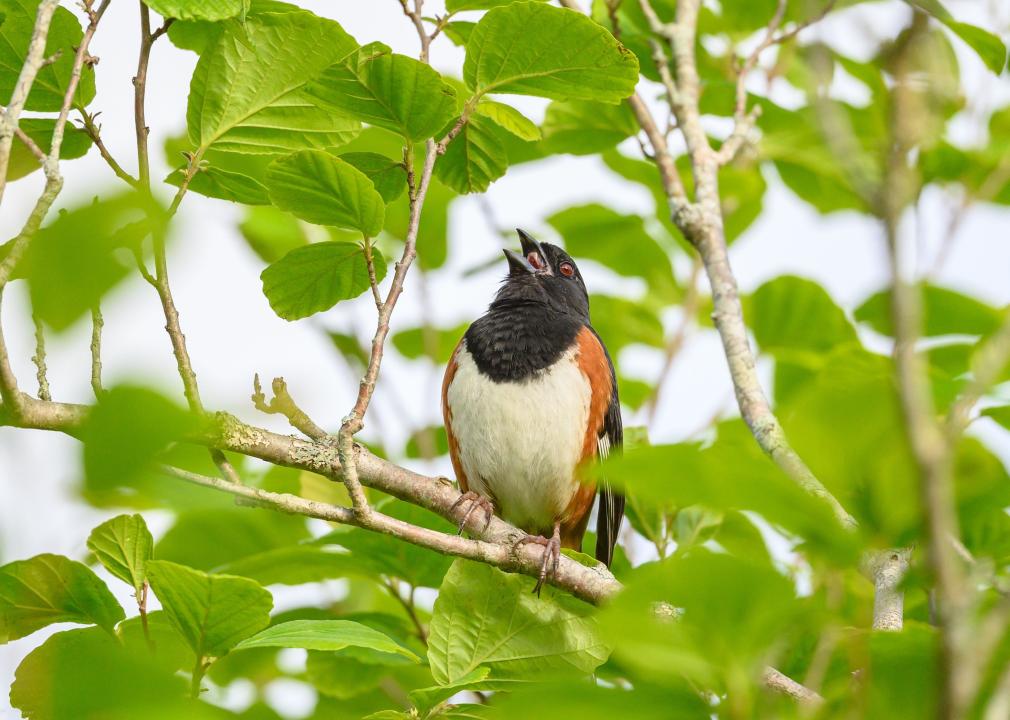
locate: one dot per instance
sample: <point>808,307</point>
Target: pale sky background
<point>232,333</point>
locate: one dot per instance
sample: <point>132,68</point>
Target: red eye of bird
<point>567,269</point>
<point>535,260</point>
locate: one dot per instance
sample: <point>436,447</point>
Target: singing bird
<point>529,400</point>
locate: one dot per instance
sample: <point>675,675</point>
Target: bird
<point>529,401</point>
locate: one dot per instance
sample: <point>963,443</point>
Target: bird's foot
<point>552,555</point>
<point>474,501</point>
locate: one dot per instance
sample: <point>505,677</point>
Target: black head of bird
<point>546,274</point>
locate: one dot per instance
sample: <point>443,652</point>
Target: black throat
<point>514,341</point>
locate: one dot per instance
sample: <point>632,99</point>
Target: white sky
<point>232,333</point>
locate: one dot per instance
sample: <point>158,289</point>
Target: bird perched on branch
<point>529,399</point>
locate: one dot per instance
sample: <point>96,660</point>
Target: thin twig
<point>283,404</point>
<point>779,682</point>
<point>409,608</point>
<point>93,131</point>
<point>32,146</point>
<point>97,323</point>
<point>373,283</point>
<point>39,358</point>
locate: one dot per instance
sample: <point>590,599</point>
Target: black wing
<point>611,509</point>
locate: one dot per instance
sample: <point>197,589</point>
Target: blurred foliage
<point>320,138</point>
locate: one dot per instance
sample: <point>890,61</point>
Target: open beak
<point>520,263</point>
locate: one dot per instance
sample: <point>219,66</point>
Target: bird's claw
<point>552,556</point>
<point>475,501</point>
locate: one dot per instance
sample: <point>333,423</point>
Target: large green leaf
<point>584,127</point>
<point>68,271</point>
<point>223,184</point>
<point>50,589</point>
<point>76,143</point>
<point>124,545</point>
<point>197,9</point>
<point>213,612</point>
<point>125,431</point>
<point>619,242</point>
<point>316,277</point>
<point>52,80</point>
<point>296,565</point>
<point>388,175</point>
<point>508,118</point>
<point>987,45</point>
<point>325,635</point>
<point>945,312</point>
<point>474,159</point>
<point>594,702</point>
<point>86,674</point>
<point>484,617</point>
<point>271,233</point>
<point>731,611</point>
<point>326,190</point>
<point>622,322</point>
<point>531,48</point>
<point>791,313</point>
<point>455,6</point>
<point>391,91</point>
<point>207,538</point>
<point>247,90</point>
<point>392,557</point>
<point>904,670</point>
<point>436,343</point>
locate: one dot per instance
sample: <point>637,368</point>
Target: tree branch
<point>33,63</point>
<point>93,131</point>
<point>39,358</point>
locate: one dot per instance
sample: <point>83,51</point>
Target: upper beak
<point>519,263</point>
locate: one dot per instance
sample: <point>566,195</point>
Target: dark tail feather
<point>608,523</point>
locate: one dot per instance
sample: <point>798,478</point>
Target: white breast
<point>519,442</point>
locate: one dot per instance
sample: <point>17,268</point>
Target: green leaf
<point>340,676</point>
<point>459,31</point>
<point>622,322</point>
<point>223,185</point>
<point>791,313</point>
<point>731,611</point>
<point>207,538</point>
<point>392,557</point>
<point>619,242</point>
<point>584,127</point>
<point>124,545</point>
<point>455,6</point>
<point>125,432</point>
<point>86,673</point>
<point>316,277</point>
<point>904,673</point>
<point>271,233</point>
<point>427,442</point>
<point>1000,414</point>
<point>295,565</point>
<point>391,91</point>
<point>388,175</point>
<point>325,635</point>
<point>76,144</point>
<point>247,93</point>
<point>531,48</point>
<point>213,612</point>
<point>68,272</point>
<point>435,343</point>
<point>484,617</point>
<point>326,190</point>
<point>474,159</point>
<point>987,45</point>
<point>945,312</point>
<point>49,589</point>
<point>593,702</point>
<point>197,9</point>
<point>429,697</point>
<point>508,118</point>
<point>51,83</point>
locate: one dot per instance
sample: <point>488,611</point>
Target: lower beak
<point>518,264</point>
